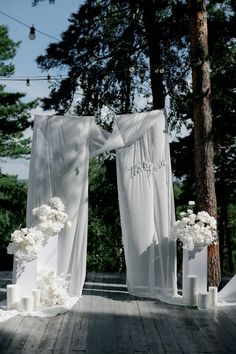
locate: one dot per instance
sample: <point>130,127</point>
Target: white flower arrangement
<point>27,243</point>
<point>51,217</point>
<point>195,231</point>
<point>53,288</point>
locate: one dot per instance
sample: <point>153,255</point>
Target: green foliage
<point>14,119</point>
<point>13,195</point>
<point>106,51</point>
<point>105,250</point>
<point>7,52</point>
<point>14,114</point>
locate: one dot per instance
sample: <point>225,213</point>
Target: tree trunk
<point>203,138</point>
<point>150,8</point>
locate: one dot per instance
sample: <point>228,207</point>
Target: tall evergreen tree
<point>14,114</point>
<point>14,119</point>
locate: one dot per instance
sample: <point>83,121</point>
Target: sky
<point>50,19</point>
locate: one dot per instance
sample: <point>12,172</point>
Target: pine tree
<point>14,119</point>
<point>14,114</point>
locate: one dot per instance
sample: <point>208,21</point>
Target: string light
<point>32,33</point>
<point>104,75</point>
<point>48,78</point>
<point>30,27</point>
<point>27,82</point>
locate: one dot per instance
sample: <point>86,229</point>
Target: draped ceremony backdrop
<point>61,149</point>
<point>59,167</point>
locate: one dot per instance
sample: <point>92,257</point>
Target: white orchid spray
<point>195,231</point>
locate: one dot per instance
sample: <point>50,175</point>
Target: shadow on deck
<point>109,320</point>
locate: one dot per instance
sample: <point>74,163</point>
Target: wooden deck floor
<point>108,320</point>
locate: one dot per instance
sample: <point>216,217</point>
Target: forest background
<point>105,52</point>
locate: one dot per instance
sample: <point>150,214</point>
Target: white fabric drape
<point>147,204</point>
<point>59,167</point>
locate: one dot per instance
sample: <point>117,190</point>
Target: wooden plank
<point>160,315</point>
<point>94,333</point>
<point>79,336</point>
<point>33,341</point>
<point>227,322</point>
<point>152,335</point>
<point>199,338</point>
<point>10,351</point>
<point>124,342</point>
<point>65,333</point>
<point>139,341</point>
<point>182,329</point>
<point>225,330</point>
<point>229,312</point>
<point>209,330</point>
<point>50,335</point>
<point>22,333</point>
<point>8,330</point>
<point>109,337</point>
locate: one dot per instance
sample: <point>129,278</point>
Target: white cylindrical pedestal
<point>25,277</point>
<point>36,297</point>
<point>27,303</point>
<point>213,296</point>
<point>195,263</point>
<point>192,291</point>
<point>203,301</point>
<point>12,297</point>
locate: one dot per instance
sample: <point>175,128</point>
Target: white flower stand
<point>24,277</point>
<point>195,264</point>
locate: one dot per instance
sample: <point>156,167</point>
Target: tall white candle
<point>213,296</point>
<point>192,291</point>
<point>203,301</point>
<point>12,297</point>
<point>27,303</point>
<point>36,296</point>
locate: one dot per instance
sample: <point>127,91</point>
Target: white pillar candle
<point>27,303</point>
<point>36,296</point>
<point>203,301</point>
<point>192,291</point>
<point>12,297</point>
<point>213,296</point>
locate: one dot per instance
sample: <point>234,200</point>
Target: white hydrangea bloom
<point>53,288</point>
<point>195,231</point>
<point>26,243</point>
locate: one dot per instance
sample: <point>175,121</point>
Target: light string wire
<point>28,26</point>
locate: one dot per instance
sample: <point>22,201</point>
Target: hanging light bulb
<point>49,79</point>
<point>131,69</point>
<point>27,82</point>
<point>32,33</point>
